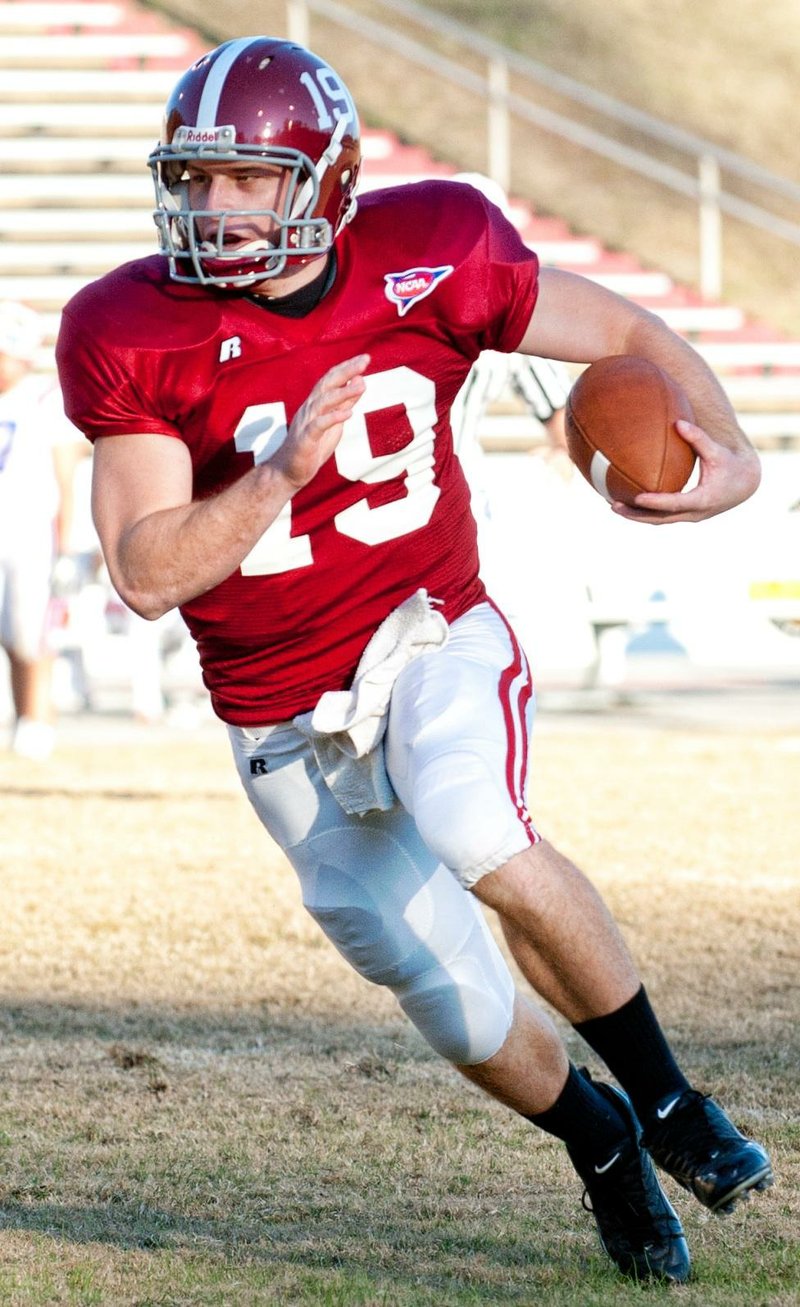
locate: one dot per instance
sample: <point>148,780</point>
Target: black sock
<point>586,1121</point>
<point>633,1046</point>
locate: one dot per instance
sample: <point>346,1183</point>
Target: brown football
<point>620,421</point>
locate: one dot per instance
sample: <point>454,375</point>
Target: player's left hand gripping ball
<point>621,433</point>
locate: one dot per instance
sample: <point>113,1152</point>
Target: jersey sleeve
<point>489,302</point>
<point>511,283</point>
<point>107,388</point>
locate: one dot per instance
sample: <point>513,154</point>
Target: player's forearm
<point>175,554</point>
<point>578,320</point>
<point>649,337</point>
<point>713,411</point>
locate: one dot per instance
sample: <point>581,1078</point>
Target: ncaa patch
<point>405,289</point>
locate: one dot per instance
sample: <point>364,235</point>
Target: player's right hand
<point>316,427</point>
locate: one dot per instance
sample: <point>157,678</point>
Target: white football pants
<point>390,889</point>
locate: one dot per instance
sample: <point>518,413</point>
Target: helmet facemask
<point>294,234</point>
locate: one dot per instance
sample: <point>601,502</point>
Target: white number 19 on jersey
<point>262,430</point>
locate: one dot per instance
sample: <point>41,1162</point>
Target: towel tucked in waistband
<point>346,728</point>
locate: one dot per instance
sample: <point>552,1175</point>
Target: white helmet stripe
<point>329,156</point>
<point>215,82</point>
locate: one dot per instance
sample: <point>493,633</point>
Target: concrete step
<point>55,258</point>
<point>35,226</point>
<point>765,391</point>
<point>89,50</point>
<point>575,252</point>
<point>81,154</point>
<point>24,17</point>
<point>689,319</point>
<point>636,285</point>
<point>64,189</point>
<point>81,118</point>
<point>730,354</point>
<point>46,294</point>
<point>105,85</point>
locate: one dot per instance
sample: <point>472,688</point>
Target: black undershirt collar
<point>302,301</point>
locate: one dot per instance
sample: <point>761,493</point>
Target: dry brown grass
<point>202,1104</point>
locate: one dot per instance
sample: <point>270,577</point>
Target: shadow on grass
<point>237,1028</point>
<point>412,1259</point>
<point>449,1234</point>
<point>259,1026</point>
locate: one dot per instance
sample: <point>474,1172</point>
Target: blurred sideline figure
<point>106,653</point>
<point>542,384</point>
<point>551,610</point>
<point>600,605</point>
<point>39,448</point>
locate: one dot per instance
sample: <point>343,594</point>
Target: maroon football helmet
<point>262,100</point>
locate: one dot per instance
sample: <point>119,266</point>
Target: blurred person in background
<point>39,448</point>
<point>600,603</point>
<point>542,385</point>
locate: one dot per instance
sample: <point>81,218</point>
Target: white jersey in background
<point>32,422</point>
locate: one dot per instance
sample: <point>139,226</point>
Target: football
<point>620,427</point>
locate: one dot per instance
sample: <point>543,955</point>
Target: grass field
<point>201,1104</point>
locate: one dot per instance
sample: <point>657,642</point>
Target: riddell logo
<point>196,136</point>
<point>405,288</point>
<point>214,136</point>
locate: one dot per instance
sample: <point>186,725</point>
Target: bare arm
<point>578,321</point>
<point>162,547</point>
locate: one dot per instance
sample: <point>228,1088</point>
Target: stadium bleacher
<point>82,88</point>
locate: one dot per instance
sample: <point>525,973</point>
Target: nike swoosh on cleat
<point>599,1170</point>
<point>663,1112</point>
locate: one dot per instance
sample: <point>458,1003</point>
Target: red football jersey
<point>428,275</point>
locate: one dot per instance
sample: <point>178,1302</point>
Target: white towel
<point>347,727</point>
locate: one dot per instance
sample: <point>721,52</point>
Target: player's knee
<point>462,1007</point>
<point>358,932</point>
<point>366,918</point>
<point>439,960</point>
<point>464,1014</point>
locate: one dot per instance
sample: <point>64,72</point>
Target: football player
<point>38,452</point>
<point>268,399</point>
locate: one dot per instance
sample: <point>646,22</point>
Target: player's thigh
<point>371,881</point>
<point>457,745</point>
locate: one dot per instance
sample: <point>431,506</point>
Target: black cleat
<point>638,1228</point>
<point>693,1140</point>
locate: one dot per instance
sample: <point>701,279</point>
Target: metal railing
<point>703,185</point>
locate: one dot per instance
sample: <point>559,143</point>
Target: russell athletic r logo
<point>405,289</point>
<point>230,349</point>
